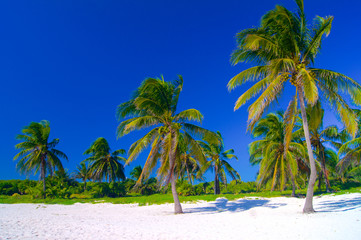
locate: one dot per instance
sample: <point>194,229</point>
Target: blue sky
<point>74,62</point>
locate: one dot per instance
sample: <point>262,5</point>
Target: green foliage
<point>185,189</point>
<point>104,164</point>
<point>9,187</point>
<point>237,187</point>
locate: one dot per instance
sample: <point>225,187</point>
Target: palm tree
<point>136,172</point>
<point>218,162</point>
<point>37,153</point>
<point>104,163</point>
<point>350,151</point>
<point>186,163</point>
<point>278,156</point>
<point>83,172</point>
<point>154,104</point>
<point>284,49</point>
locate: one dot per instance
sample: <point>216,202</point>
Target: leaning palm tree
<point>37,153</point>
<point>104,163</point>
<point>278,156</point>
<point>284,48</point>
<point>154,105</point>
<point>83,172</point>
<point>218,162</point>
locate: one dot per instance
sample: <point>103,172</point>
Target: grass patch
<point>162,198</point>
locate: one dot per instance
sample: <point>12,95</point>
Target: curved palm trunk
<point>216,181</point>
<point>43,177</point>
<point>177,205</point>
<point>308,208</point>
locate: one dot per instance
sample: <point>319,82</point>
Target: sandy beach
<point>338,217</point>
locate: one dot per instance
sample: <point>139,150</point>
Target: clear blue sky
<point>73,62</point>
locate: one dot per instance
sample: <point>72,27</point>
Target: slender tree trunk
<point>216,181</point>
<point>189,176</point>
<point>43,177</point>
<point>172,155</point>
<point>327,182</point>
<point>293,182</point>
<point>308,208</point>
<point>84,185</point>
<point>177,205</point>
<point>320,177</point>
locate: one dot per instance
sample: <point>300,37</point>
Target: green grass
<point>159,198</point>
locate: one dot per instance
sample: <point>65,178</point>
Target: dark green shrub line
<point>69,191</point>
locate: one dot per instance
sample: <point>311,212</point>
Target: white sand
<point>339,217</point>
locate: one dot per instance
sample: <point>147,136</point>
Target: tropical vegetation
<point>154,104</point>
<point>37,153</point>
<point>284,48</point>
<point>292,148</point>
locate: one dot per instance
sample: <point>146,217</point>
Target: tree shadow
<point>223,205</point>
<point>341,205</point>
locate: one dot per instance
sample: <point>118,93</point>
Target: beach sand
<point>338,217</point>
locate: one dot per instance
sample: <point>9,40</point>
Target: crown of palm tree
<point>154,104</point>
<point>285,48</point>
<point>36,149</point>
<point>104,163</point>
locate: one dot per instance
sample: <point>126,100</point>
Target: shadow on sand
<point>341,205</point>
<point>223,205</point>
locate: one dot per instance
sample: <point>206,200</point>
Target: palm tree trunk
<point>84,184</point>
<point>293,182</point>
<point>177,205</point>
<point>320,177</point>
<point>308,208</point>
<point>216,181</point>
<point>189,176</point>
<point>327,182</point>
<point>43,177</point>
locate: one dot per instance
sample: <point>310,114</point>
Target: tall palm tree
<point>278,162</point>
<point>218,162</point>
<point>37,153</point>
<point>104,163</point>
<point>284,49</point>
<point>83,172</point>
<point>154,104</point>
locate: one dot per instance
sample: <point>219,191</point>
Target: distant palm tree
<point>350,151</point>
<point>136,172</point>
<point>186,164</point>
<point>37,153</point>
<point>104,163</point>
<point>278,163</point>
<point>218,162</point>
<point>83,172</point>
<point>285,48</point>
<point>154,104</point>
<point>319,136</point>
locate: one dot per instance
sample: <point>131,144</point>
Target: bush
<point>81,195</point>
<point>237,187</point>
<point>185,189</point>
